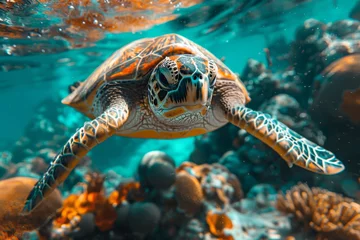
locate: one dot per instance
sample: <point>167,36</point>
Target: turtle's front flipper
<point>87,137</point>
<point>292,147</point>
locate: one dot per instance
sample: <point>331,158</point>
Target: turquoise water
<point>50,75</point>
<point>38,64</point>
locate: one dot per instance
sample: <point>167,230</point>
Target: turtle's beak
<point>198,90</point>
<point>192,93</point>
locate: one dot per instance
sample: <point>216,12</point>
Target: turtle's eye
<point>212,72</point>
<point>163,79</point>
<point>168,74</point>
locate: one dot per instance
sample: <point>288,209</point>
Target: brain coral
<point>12,198</point>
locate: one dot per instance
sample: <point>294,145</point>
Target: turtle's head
<point>182,85</point>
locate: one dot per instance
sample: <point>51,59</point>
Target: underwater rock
<point>193,229</point>
<point>336,107</point>
<point>310,40</point>
<point>343,28</point>
<point>284,107</point>
<point>232,161</point>
<point>340,76</point>
<point>253,69</point>
<point>13,195</point>
<point>157,169</point>
<point>85,228</point>
<point>351,105</point>
<point>331,215</point>
<point>338,49</point>
<point>122,219</point>
<point>260,199</point>
<point>264,84</point>
<point>318,44</point>
<point>143,217</point>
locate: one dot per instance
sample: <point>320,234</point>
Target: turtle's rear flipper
<point>87,137</point>
<point>292,147</point>
<point>74,86</point>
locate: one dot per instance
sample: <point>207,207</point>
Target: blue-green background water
<point>21,91</point>
<point>47,45</point>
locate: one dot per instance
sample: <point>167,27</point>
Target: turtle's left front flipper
<point>292,147</point>
<point>87,137</point>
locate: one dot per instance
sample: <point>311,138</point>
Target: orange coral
<point>14,192</point>
<point>105,216</point>
<point>7,236</point>
<point>124,190</point>
<point>330,214</point>
<point>95,182</point>
<point>217,223</point>
<point>92,200</point>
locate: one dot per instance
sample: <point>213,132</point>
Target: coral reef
<point>264,84</point>
<point>329,214</point>
<point>90,209</point>
<point>201,203</point>
<point>318,44</point>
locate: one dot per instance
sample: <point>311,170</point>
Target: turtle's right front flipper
<point>87,137</point>
<point>292,147</point>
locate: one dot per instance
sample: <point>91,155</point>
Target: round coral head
<point>14,192</point>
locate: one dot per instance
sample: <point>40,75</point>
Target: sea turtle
<point>169,87</point>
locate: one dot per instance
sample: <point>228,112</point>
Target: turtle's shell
<point>134,61</point>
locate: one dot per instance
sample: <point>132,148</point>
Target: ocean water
<point>281,49</point>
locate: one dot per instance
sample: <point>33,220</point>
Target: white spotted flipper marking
<point>291,146</point>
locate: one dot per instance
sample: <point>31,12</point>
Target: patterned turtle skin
<point>169,87</point>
